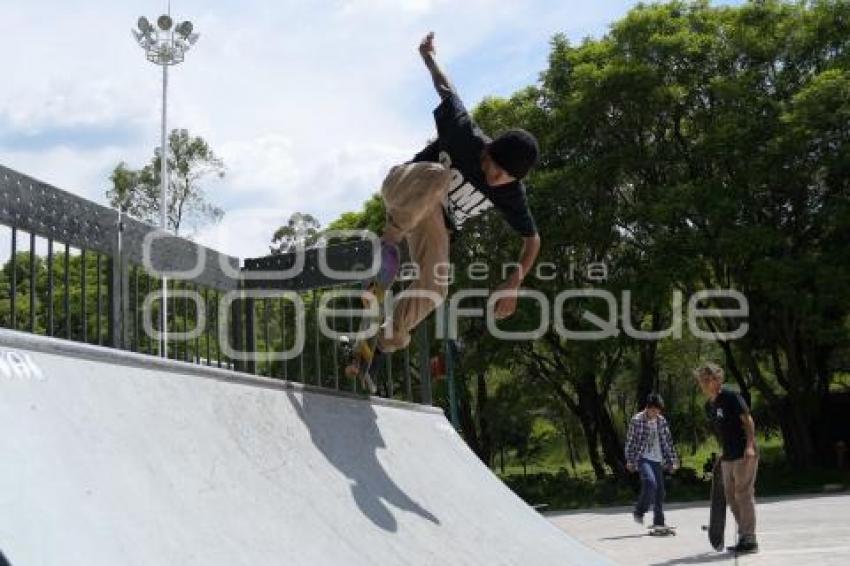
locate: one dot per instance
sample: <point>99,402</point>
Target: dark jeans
<point>651,490</point>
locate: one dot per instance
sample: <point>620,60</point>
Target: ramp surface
<point>111,458</point>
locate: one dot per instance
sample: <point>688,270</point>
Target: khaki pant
<point>739,482</point>
<point>413,195</point>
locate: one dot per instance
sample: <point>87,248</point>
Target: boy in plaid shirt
<point>649,451</point>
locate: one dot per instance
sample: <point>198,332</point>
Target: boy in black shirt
<point>728,413</point>
<point>457,177</point>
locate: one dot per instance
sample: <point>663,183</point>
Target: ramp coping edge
<point>50,345</point>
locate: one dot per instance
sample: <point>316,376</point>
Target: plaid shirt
<point>638,438</point>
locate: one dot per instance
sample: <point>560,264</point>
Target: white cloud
<point>322,188</point>
<point>412,7</point>
<point>82,172</point>
<point>350,171</point>
<point>245,232</point>
<point>63,103</point>
<point>265,161</point>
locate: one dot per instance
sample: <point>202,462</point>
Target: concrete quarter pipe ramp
<point>111,458</point>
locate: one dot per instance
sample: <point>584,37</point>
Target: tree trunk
<point>695,436</point>
<point>797,421</point>
<point>736,372</point>
<point>647,371</point>
<point>484,436</point>
<point>502,458</point>
<point>796,433</point>
<point>787,412</point>
<point>591,439</point>
<point>467,422</point>
<point>612,447</point>
<point>603,426</point>
<point>571,454</point>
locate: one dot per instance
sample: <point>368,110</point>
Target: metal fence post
<point>118,290</point>
<point>33,278</point>
<point>124,315</point>
<point>450,374</point>
<point>13,288</point>
<point>250,335</point>
<point>236,328</point>
<point>424,362</point>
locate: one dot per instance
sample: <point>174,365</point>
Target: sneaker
<point>745,546</point>
<point>638,517</point>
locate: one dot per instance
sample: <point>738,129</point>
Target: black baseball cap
<point>516,151</point>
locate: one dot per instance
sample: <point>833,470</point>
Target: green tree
<point>191,162</point>
<point>300,230</point>
<point>370,217</point>
<point>691,148</point>
<point>717,136</point>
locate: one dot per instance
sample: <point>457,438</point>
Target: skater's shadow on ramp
<point>3,561</point>
<point>347,435</point>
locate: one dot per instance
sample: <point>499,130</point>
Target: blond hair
<point>709,370</point>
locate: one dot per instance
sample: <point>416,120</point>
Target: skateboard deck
<point>361,350</point>
<point>717,513</point>
<point>664,531</point>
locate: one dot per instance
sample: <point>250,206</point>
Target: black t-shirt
<point>458,147</point>
<point>725,416</point>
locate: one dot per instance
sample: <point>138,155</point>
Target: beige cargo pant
<point>739,484</point>
<point>413,194</point>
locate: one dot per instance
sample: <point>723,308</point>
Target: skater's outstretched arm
<point>441,82</point>
<point>506,305</point>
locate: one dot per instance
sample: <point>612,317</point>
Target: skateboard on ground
<point>360,352</point>
<point>662,531</point>
<point>717,514</point>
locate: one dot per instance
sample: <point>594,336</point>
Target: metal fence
<point>76,271</point>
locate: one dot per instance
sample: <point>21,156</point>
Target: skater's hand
<point>426,46</point>
<point>750,452</point>
<point>441,81</point>
<point>506,305</point>
<point>631,467</point>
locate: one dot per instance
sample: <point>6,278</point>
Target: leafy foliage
<point>191,161</point>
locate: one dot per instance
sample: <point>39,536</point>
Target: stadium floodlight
<point>184,29</point>
<point>164,22</point>
<point>145,26</point>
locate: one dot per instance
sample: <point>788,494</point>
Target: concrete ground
<point>792,530</point>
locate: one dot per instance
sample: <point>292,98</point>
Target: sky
<point>307,103</point>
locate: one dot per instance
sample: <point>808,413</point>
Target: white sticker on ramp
<point>16,365</point>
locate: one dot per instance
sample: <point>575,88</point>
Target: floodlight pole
<point>167,47</point>
<point>163,204</point>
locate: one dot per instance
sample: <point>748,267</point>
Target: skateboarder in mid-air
<point>649,451</point>
<point>455,178</point>
<point>734,427</point>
